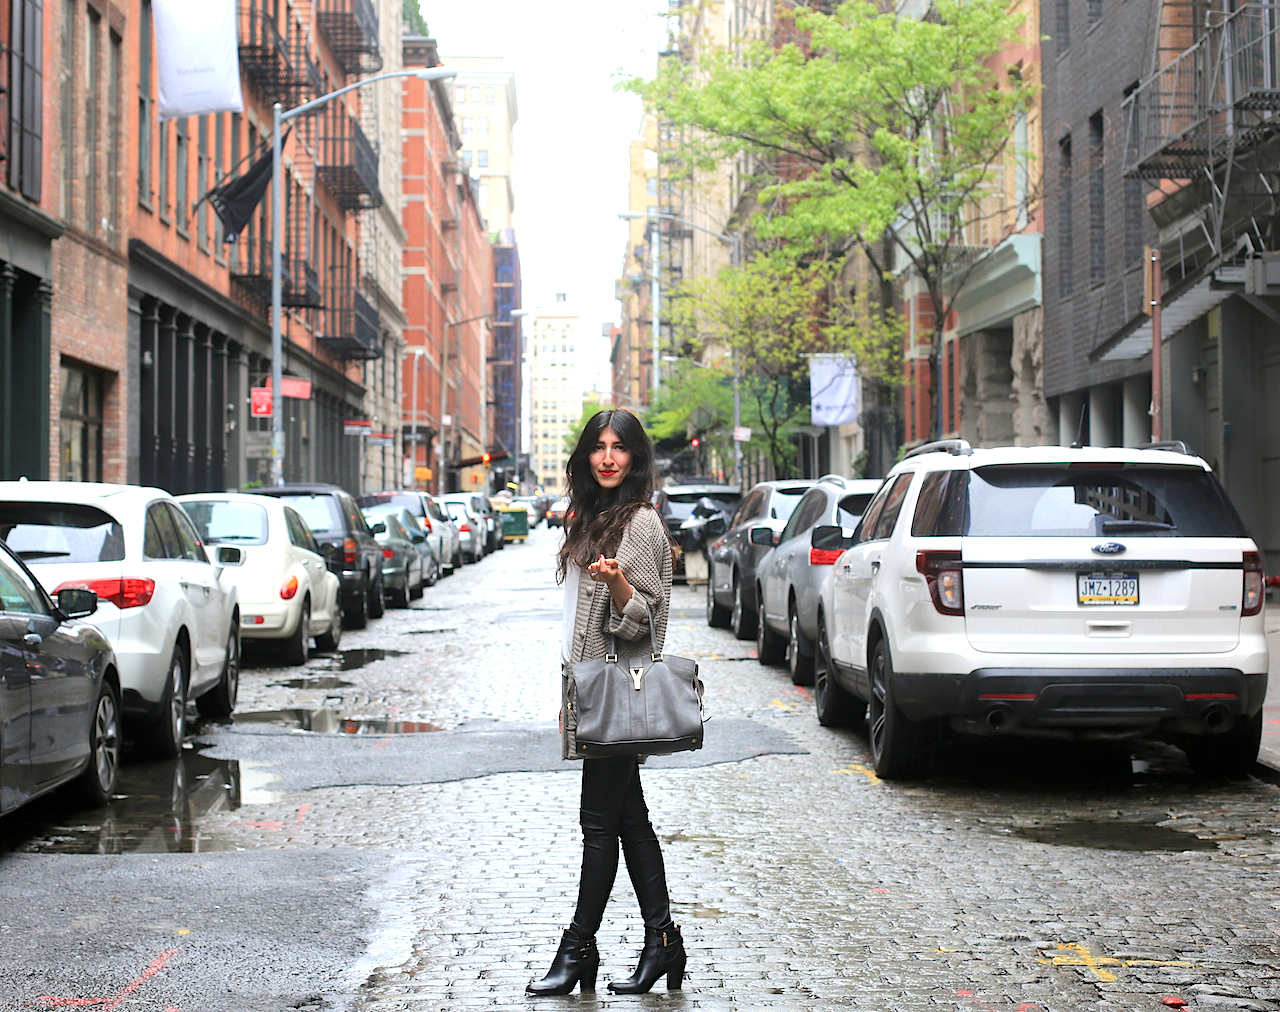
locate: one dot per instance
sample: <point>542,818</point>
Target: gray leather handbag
<point>649,704</point>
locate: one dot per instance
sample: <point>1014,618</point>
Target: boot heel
<point>675,977</point>
<point>587,981</point>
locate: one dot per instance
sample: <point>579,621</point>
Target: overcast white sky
<point>573,133</point>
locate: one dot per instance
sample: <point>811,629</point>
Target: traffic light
<point>696,442</point>
<point>485,458</point>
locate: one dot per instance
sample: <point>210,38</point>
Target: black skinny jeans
<point>613,810</point>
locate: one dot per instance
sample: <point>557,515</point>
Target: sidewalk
<point>1269,754</point>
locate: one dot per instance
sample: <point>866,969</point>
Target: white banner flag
<point>833,389</point>
<point>197,57</point>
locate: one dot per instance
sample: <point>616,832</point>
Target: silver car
<point>442,533</point>
<point>790,575</point>
<point>471,527</point>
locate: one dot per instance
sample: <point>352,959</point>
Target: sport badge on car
<point>1109,548</point>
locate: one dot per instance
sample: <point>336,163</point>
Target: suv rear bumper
<point>1050,701</point>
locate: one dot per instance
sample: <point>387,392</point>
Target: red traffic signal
<point>696,442</point>
<point>485,458</point>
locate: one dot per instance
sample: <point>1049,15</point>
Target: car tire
<point>770,647</point>
<point>836,706</point>
<point>742,620</point>
<point>297,648</point>
<point>163,737</point>
<point>800,665</point>
<point>1232,754</point>
<point>377,601</point>
<point>433,573</point>
<point>98,781</point>
<point>220,701</point>
<point>717,614</point>
<point>357,616</point>
<point>900,748</point>
<point>331,639</point>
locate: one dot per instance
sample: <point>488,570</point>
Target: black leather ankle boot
<point>663,952</point>
<point>577,962</point>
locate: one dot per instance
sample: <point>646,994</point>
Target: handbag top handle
<point>612,658</point>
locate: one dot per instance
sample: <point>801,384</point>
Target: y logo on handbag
<point>636,675</point>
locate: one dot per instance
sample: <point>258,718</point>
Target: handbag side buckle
<point>636,675</point>
<point>611,658</point>
<point>657,658</point>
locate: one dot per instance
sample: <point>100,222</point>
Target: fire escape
<point>351,29</point>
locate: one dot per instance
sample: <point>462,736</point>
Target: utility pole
<point>1152,282</point>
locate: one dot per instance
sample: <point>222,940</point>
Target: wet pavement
<point>392,829</point>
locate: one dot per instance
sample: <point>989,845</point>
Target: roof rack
<point>834,479</point>
<point>1171,445</point>
<point>955,447</point>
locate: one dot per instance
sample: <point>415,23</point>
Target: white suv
<point>1080,594</point>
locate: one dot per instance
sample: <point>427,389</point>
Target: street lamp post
<point>735,258</point>
<point>413,424</point>
<point>279,116</point>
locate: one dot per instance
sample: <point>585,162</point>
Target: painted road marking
<point>866,771</point>
<point>1077,955</point>
<point>108,1004</point>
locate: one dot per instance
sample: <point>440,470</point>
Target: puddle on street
<point>157,809</point>
<point>350,660</point>
<point>431,632</point>
<point>1115,836</point>
<point>324,682</point>
<point>331,722</point>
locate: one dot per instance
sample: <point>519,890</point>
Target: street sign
<point>292,386</point>
<point>356,427</point>
<point>382,439</point>
<point>256,444</point>
<point>742,434</point>
<point>260,402</point>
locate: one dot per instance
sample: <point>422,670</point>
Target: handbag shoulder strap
<point>653,640</point>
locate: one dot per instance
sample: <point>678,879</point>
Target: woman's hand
<point>610,571</point>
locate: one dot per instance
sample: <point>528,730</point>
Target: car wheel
<point>717,614</point>
<point>1230,754</point>
<point>98,781</point>
<point>220,701</point>
<point>800,666</point>
<point>377,603</point>
<point>433,572</point>
<point>164,736</point>
<point>836,707</point>
<point>400,596</point>
<point>357,616</point>
<point>331,639</point>
<point>899,747</point>
<point>770,647</point>
<point>742,620</point>
<point>297,648</point>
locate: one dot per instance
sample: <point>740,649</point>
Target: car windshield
<point>1134,501</point>
<point>680,504</point>
<point>321,512</point>
<point>243,523</point>
<point>786,499</point>
<point>40,533</point>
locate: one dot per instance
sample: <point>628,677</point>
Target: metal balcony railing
<point>299,282</point>
<point>346,162</point>
<point>351,29</point>
<point>267,60</point>
<point>1217,98</point>
<point>349,324</point>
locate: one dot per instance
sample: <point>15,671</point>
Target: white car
<point>287,592</point>
<point>471,528</point>
<point>1081,594</point>
<point>171,615</point>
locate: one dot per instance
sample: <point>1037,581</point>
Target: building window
<point>115,74</point>
<point>70,10</point>
<point>180,155</point>
<point>218,148</point>
<point>651,186</point>
<point>1094,12</point>
<point>484,196</point>
<point>144,106</point>
<point>80,423</point>
<point>92,122</point>
<point>467,157</point>
<point>1097,201</point>
<point>482,158</point>
<point>466,128</point>
<point>1066,272</point>
<point>482,128</point>
<point>1063,24</point>
<point>490,96</point>
<point>164,170</point>
<point>1021,168</point>
<point>460,94</point>
<point>475,96</point>
<point>202,183</point>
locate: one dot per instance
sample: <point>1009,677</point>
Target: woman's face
<point>610,460</point>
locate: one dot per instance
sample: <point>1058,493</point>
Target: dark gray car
<point>790,576</point>
<point>732,558</point>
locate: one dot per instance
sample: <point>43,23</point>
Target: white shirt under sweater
<point>572,576</point>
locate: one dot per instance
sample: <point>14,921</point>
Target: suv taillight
<point>131,592</point>
<point>349,551</point>
<point>824,556</point>
<point>945,577</point>
<point>1254,584</point>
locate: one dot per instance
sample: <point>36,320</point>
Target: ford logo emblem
<point>1109,548</point>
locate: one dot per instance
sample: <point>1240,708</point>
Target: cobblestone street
<point>1030,877</point>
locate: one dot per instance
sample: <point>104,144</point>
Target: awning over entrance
<point>1183,311</point>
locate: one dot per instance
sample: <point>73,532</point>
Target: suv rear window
<point>412,503</point>
<point>42,533</point>
<point>1030,501</point>
<point>216,520</point>
<point>320,511</point>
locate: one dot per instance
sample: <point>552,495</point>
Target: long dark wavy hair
<point>597,517</point>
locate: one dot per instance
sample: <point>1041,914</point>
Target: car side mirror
<point>229,555</point>
<point>419,538</point>
<point>77,602</point>
<point>378,529</point>
<point>716,525</point>
<point>762,536</point>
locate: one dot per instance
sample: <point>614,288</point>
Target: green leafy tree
<point>879,128</point>
<point>414,22</point>
<point>694,402</point>
<point>589,408</point>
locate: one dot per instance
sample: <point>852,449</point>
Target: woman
<point>616,565</point>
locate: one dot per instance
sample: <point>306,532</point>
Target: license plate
<point>1107,588</point>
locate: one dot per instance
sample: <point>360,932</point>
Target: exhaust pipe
<point>1216,719</point>
<point>998,717</point>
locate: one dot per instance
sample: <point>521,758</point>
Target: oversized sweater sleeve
<point>645,558</point>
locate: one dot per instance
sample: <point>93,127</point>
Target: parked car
<point>732,558</point>
<point>532,504</point>
<point>347,543</point>
<point>789,576</point>
<point>470,526</point>
<point>442,532</point>
<point>556,512</point>
<point>61,685</point>
<point>401,563</point>
<point>170,614</point>
<point>490,524</point>
<point>1078,594</point>
<point>413,525</point>
<point>676,504</point>
<point>287,593</point>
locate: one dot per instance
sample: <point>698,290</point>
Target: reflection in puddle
<point>325,682</point>
<point>1115,836</point>
<point>349,660</point>
<point>157,809</point>
<point>330,722</point>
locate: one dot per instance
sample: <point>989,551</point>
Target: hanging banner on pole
<point>833,389</point>
<point>197,57</point>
